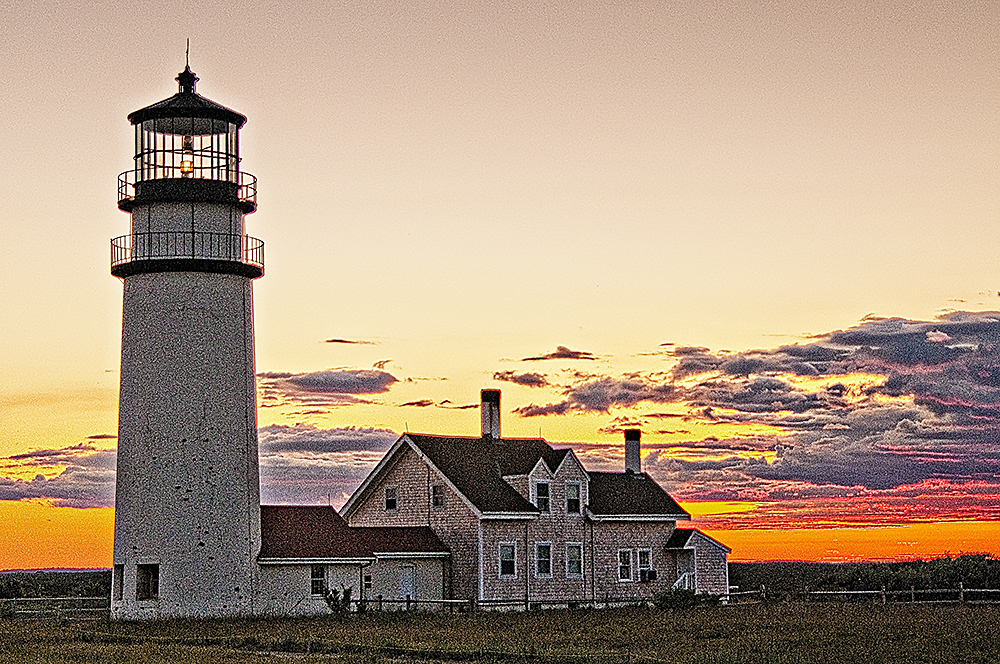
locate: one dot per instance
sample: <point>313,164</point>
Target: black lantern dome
<point>187,149</point>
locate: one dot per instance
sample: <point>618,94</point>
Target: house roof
<point>319,532</point>
<point>477,466</point>
<point>681,537</point>
<point>630,494</point>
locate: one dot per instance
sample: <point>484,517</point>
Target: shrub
<point>338,601</point>
<point>676,598</point>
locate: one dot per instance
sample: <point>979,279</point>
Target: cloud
<point>526,379</point>
<point>562,353</point>
<point>87,478</point>
<point>332,387</point>
<point>349,341</point>
<point>601,394</point>
<point>305,464</point>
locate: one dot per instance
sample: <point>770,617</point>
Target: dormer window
<point>391,500</point>
<point>573,498</point>
<point>542,497</point>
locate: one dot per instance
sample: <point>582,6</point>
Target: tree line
<point>84,583</point>
<point>973,571</point>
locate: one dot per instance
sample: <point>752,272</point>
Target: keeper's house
<point>523,523</point>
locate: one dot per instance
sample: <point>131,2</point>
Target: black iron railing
<point>173,245</point>
<point>246,182</point>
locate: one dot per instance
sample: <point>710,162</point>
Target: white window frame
<point>538,573</point>
<point>638,559</point>
<point>500,547</point>
<point>579,498</point>
<point>548,496</point>
<point>313,578</point>
<point>579,546</point>
<point>395,498</point>
<point>618,564</point>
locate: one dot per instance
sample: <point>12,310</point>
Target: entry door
<point>408,582</point>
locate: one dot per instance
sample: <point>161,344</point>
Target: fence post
<point>961,593</point>
<point>763,593</point>
<point>913,597</point>
<point>883,594</point>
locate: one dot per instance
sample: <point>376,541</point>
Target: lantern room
<point>187,149</point>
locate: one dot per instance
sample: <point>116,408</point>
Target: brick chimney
<point>633,447</point>
<point>490,413</point>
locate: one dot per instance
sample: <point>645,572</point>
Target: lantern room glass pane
<point>200,148</point>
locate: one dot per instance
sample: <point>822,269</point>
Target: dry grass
<point>778,633</point>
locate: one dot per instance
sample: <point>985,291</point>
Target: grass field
<point>779,633</point>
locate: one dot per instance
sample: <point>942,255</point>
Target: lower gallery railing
<point>195,245</point>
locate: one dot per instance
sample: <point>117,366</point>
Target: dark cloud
<point>562,353</point>
<point>526,379</point>
<point>421,403</point>
<point>602,394</point>
<point>304,464</point>
<point>333,387</point>
<point>103,436</point>
<point>349,341</point>
<point>87,478</point>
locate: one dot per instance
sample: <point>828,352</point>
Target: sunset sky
<point>765,233</point>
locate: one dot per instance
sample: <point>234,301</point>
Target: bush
<point>338,601</point>
<point>676,598</point>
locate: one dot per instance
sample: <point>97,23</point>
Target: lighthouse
<point>187,501</point>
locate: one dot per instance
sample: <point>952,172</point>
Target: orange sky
<point>452,192</point>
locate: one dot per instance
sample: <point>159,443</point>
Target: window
<point>368,582</point>
<point>317,581</point>
<point>117,580</point>
<point>390,499</point>
<point>573,498</point>
<point>644,559</point>
<point>147,581</point>
<point>543,559</point>
<point>508,556</point>
<point>437,496</point>
<point>574,560</point>
<point>542,496</point>
<point>624,565</point>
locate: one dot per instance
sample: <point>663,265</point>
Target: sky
<point>762,232</point>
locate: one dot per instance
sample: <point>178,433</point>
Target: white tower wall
<point>188,496</point>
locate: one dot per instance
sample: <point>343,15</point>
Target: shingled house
<point>526,523</point>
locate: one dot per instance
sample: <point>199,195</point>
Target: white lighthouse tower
<point>187,503</point>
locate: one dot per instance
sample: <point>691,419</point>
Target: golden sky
<point>763,232</point>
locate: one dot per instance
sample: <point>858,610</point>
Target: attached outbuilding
<point>306,550</point>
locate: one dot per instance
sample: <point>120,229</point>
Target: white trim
<point>500,574</point>
<point>578,464</point>
<point>398,555</point>
<point>638,517</point>
<point>537,574</point>
<point>508,515</point>
<point>570,575</point>
<point>314,561</point>
<point>638,558</point>
<point>711,540</point>
<point>579,497</point>
<point>541,462</point>
<point>480,523</point>
<point>631,566</point>
<point>534,495</point>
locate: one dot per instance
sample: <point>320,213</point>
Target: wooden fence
<point>56,607</point>
<point>959,595</point>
